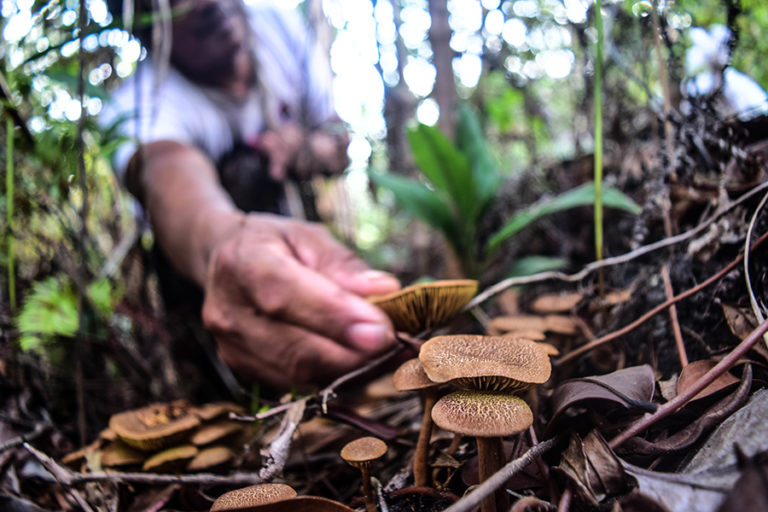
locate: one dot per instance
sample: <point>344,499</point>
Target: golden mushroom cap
<point>482,414</point>
<point>411,376</point>
<point>363,451</point>
<point>154,427</point>
<point>252,496</point>
<point>209,458</point>
<point>170,460</point>
<point>216,432</point>
<point>485,362</point>
<point>426,305</point>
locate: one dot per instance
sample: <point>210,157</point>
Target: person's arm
<point>283,299</point>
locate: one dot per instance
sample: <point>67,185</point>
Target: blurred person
<point>281,297</point>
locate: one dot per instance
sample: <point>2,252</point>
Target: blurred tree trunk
<point>445,88</point>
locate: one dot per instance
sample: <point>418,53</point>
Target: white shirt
<point>297,80</point>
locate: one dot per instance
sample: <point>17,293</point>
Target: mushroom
<point>220,431</point>
<point>360,453</point>
<point>410,376</point>
<point>487,416</point>
<point>170,460</point>
<point>305,504</point>
<point>210,459</point>
<point>154,427</point>
<point>252,496</point>
<point>426,305</point>
<point>489,369</point>
<point>490,363</point>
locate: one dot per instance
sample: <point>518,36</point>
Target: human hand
<point>289,148</point>
<point>285,303</point>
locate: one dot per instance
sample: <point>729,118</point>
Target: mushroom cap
<point>211,457</point>
<point>482,414</point>
<point>154,427</point>
<point>252,496</point>
<point>213,410</point>
<point>219,431</point>
<point>426,305</point>
<point>485,362</point>
<point>120,454</point>
<point>170,460</point>
<point>410,376</point>
<point>363,451</point>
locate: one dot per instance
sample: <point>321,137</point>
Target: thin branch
<point>616,260</point>
<point>680,400</point>
<point>670,293</point>
<point>661,307</point>
<point>498,479</point>
<point>39,430</point>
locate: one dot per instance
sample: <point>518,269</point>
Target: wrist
<point>213,225</point>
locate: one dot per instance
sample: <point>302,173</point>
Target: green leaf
<point>103,296</point>
<point>444,166</point>
<point>471,142</point>
<point>579,196</point>
<point>422,203</point>
<point>50,310</point>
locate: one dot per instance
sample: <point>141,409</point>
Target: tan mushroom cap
<point>306,504</point>
<point>154,427</point>
<point>485,362</point>
<point>426,305</point>
<point>252,496</point>
<point>170,460</point>
<point>209,458</point>
<point>410,376</point>
<point>363,451</point>
<point>482,414</point>
<point>216,432</point>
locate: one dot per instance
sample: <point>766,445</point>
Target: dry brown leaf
<point>694,370</point>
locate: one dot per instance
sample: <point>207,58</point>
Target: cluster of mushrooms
<point>170,437</point>
<point>486,373</point>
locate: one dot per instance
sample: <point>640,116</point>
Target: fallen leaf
<point>751,489</point>
<point>694,370</point>
<point>693,431</point>
<point>627,387</point>
<point>741,321</point>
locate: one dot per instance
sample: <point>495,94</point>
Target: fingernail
<point>373,275</point>
<point>367,335</point>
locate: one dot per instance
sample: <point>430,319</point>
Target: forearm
<point>189,211</point>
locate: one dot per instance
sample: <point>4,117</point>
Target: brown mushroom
<point>210,459</point>
<point>217,432</point>
<point>487,416</point>
<point>491,363</point>
<point>426,305</point>
<point>360,454</point>
<point>118,454</point>
<point>170,460</point>
<point>154,427</point>
<point>252,496</point>
<point>410,376</point>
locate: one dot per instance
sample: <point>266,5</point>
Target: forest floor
<point>656,399</point>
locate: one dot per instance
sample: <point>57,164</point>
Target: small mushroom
<point>491,363</point>
<point>410,376</point>
<point>487,416</point>
<point>360,453</point>
<point>170,460</point>
<point>118,454</point>
<point>426,305</point>
<point>220,431</point>
<point>252,496</point>
<point>210,459</point>
<point>154,427</point>
<point>305,504</point>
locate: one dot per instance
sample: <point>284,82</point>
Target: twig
<point>60,474</point>
<point>624,330</point>
<point>330,391</point>
<point>277,454</point>
<point>752,299</point>
<point>703,381</point>
<point>565,500</point>
<point>39,430</point>
<point>669,292</point>
<point>616,260</point>
<point>488,487</point>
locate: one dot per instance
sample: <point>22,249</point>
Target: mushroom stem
<point>421,457</point>
<point>370,501</point>
<point>490,459</point>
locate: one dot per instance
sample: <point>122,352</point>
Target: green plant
<point>460,182</point>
